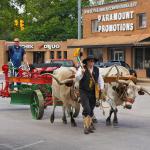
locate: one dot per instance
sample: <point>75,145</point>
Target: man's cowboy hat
<point>89,57</point>
<point>16,40</point>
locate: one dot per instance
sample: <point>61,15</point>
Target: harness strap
<point>72,94</point>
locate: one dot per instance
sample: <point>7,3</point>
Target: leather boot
<point>85,124</point>
<point>86,130</point>
<point>91,125</point>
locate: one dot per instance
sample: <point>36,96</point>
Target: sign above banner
<point>103,2</point>
<point>110,7</point>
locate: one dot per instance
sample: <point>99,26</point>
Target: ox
<point>63,89</point>
<point>119,92</point>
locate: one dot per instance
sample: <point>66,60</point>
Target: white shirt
<point>79,76</point>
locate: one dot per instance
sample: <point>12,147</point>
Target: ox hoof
<point>115,122</point>
<point>94,119</point>
<point>73,124</point>
<point>128,106</point>
<point>64,120</point>
<point>108,122</point>
<point>52,118</point>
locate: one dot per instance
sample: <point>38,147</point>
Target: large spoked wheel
<point>37,105</point>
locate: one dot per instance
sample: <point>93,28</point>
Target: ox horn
<point>59,82</point>
<point>145,90</point>
<point>142,89</point>
<point>138,87</point>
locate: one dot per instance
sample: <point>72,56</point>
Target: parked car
<point>99,64</point>
<point>64,62</point>
<point>53,64</point>
<point>112,62</point>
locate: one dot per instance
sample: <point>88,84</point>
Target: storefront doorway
<point>142,59</point>
<point>118,55</point>
<point>97,52</point>
<point>38,57</point>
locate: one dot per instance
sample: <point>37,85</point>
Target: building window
<point>51,54</point>
<point>141,20</point>
<point>59,55</point>
<point>147,58</point>
<point>89,51</point>
<point>94,25</point>
<point>117,54</point>
<point>97,52</point>
<point>65,54</point>
<point>142,58</point>
<point>138,58</point>
<point>38,57</point>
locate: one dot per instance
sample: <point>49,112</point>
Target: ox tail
<point>58,81</point>
<point>52,117</point>
<point>76,110</point>
<point>52,77</point>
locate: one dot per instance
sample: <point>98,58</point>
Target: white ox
<point>63,89</point>
<point>119,92</point>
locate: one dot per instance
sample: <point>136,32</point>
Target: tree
<point>48,20</point>
<point>7,15</point>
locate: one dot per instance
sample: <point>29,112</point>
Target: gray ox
<point>63,89</point>
<point>120,92</point>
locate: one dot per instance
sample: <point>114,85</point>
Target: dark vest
<point>85,81</point>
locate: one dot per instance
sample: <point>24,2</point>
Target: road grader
<point>34,86</point>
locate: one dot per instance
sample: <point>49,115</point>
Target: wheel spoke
<point>37,105</point>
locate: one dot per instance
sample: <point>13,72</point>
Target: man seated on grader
<point>17,54</point>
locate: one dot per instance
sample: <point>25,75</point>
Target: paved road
<point>18,131</point>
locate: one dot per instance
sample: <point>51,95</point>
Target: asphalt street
<point>18,131</point>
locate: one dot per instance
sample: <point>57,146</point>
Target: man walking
<point>89,76</point>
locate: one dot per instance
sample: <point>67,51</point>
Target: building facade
<point>118,30</point>
<point>39,52</point>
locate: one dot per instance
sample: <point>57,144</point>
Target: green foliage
<point>48,20</point>
<point>108,0</point>
<point>7,15</point>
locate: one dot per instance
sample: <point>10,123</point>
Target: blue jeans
<point>14,73</point>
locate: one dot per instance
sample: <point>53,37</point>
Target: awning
<point>109,41</point>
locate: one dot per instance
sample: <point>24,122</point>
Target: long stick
<point>79,60</point>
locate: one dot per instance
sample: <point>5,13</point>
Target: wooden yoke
<point>116,78</point>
